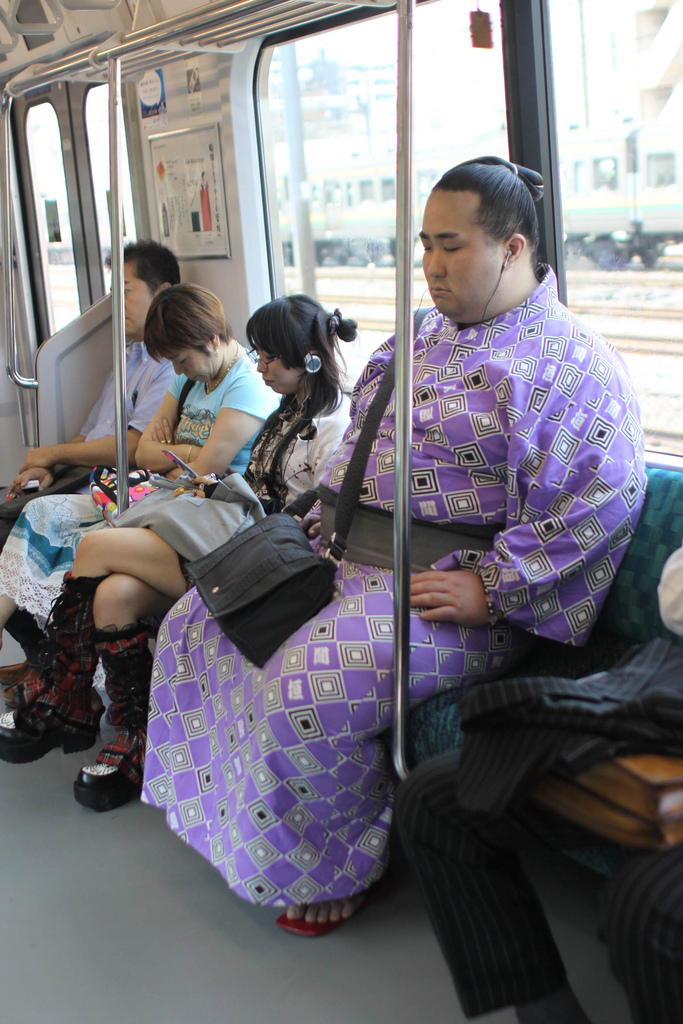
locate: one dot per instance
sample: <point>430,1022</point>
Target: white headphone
<point>312,362</point>
<point>508,254</point>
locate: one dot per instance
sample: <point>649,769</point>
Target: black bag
<point>67,480</point>
<point>264,583</point>
<point>267,580</point>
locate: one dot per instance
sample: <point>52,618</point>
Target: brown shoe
<point>10,693</point>
<point>11,674</point>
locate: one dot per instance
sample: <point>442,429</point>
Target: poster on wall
<point>190,197</point>
<point>152,93</point>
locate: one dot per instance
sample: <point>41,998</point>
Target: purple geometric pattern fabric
<point>278,775</point>
<point>528,419</point>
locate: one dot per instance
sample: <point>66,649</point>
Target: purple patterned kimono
<point>278,775</point>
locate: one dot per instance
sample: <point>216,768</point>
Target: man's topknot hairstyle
<point>507,194</point>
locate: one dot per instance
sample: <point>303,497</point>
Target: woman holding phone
<point>210,415</point>
<point>125,575</point>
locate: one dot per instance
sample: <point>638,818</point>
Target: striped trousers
<point>490,923</point>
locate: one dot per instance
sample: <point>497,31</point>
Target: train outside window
<point>388,189</point>
<point>605,173</point>
<point>618,125</point>
<point>661,170</point>
<point>97,129</point>
<point>46,163</point>
<point>351,71</point>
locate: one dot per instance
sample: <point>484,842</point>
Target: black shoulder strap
<point>353,478</point>
<point>187,387</point>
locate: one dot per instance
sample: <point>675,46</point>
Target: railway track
<point>377,314</point>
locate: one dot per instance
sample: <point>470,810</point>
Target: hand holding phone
<point>179,462</point>
<point>30,485</point>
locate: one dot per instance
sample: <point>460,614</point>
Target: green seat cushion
<point>631,606</point>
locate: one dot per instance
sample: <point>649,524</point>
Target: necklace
<point>211,385</point>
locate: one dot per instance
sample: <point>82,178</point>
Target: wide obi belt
<point>371,537</point>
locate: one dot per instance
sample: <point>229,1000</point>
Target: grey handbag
<point>194,526</point>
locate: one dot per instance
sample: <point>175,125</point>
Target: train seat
<point>630,616</point>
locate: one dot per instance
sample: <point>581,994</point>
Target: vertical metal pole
<point>7,242</point>
<point>405,243</point>
<point>118,314</point>
<point>11,357</point>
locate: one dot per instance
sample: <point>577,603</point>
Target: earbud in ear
<point>312,362</point>
<point>508,254</point>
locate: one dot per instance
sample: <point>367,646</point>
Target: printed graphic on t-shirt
<point>195,426</point>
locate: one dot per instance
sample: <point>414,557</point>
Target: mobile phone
<point>31,485</point>
<point>178,461</point>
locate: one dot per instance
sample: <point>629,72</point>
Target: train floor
<point>110,917</point>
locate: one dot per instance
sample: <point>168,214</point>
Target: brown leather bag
<point>636,800</point>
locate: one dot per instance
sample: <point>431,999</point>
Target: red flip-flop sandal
<point>314,929</point>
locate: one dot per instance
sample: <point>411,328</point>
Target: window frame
<point>531,124</point>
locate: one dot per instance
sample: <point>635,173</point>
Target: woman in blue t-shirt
<point>224,409</point>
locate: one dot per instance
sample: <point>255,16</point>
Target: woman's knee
<point>117,601</point>
<point>91,547</point>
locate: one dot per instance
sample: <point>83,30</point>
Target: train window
<point>580,180</point>
<point>52,213</point>
<point>388,187</point>
<point>618,120</point>
<point>330,110</point>
<point>605,173</point>
<point>661,170</point>
<point>97,128</point>
<point>366,189</point>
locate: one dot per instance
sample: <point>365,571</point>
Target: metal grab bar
<point>117,295</point>
<point>204,20</point>
<point>404,381</point>
<point>11,356</point>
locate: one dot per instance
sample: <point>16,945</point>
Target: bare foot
<point>328,910</point>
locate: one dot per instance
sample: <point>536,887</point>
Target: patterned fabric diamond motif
<point>305,856</point>
<point>298,818</point>
<point>327,686</point>
<point>261,852</point>
<point>304,891</point>
<point>261,815</point>
<point>304,760</point>
<point>306,723</point>
<point>191,812</point>
<point>260,888</point>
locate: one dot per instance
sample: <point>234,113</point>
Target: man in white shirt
<point>148,268</point>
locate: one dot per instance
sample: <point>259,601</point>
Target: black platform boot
<point>55,710</point>
<point>116,777</point>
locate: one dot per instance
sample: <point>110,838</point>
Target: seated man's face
<point>461,263</point>
<point>137,299</point>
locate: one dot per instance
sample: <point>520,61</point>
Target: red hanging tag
<point>481,31</point>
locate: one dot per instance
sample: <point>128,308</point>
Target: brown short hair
<point>181,317</point>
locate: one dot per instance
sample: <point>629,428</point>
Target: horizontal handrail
<point>204,21</point>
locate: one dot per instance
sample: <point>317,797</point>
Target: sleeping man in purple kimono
<point>524,422</point>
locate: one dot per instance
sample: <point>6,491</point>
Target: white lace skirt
<point>42,547</point>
